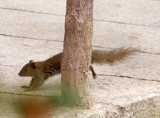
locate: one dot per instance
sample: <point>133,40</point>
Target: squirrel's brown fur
<point>40,71</point>
<point>102,57</point>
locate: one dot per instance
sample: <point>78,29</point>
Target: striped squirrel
<point>41,71</point>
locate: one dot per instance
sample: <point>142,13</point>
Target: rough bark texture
<point>77,52</point>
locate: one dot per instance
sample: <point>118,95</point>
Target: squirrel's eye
<point>26,69</point>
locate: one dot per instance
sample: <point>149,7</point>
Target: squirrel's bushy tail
<point>102,57</point>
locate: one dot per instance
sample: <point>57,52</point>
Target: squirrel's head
<point>28,70</point>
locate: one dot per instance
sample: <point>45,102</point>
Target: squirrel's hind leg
<point>93,72</point>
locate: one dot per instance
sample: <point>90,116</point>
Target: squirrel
<point>42,70</point>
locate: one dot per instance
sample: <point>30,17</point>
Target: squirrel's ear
<point>33,65</point>
<point>30,61</point>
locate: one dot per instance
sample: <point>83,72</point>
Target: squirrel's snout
<point>20,73</point>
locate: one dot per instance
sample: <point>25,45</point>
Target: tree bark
<point>77,52</point>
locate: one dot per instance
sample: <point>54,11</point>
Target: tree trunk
<point>77,52</point>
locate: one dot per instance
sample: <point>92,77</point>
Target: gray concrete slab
<point>110,35</point>
<point>44,6</point>
<point>106,35</point>
<point>110,96</point>
<point>138,66</point>
<point>28,24</point>
<point>24,50</point>
<point>142,12</point>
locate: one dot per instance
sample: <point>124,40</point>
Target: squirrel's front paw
<point>24,86</point>
<point>28,89</point>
